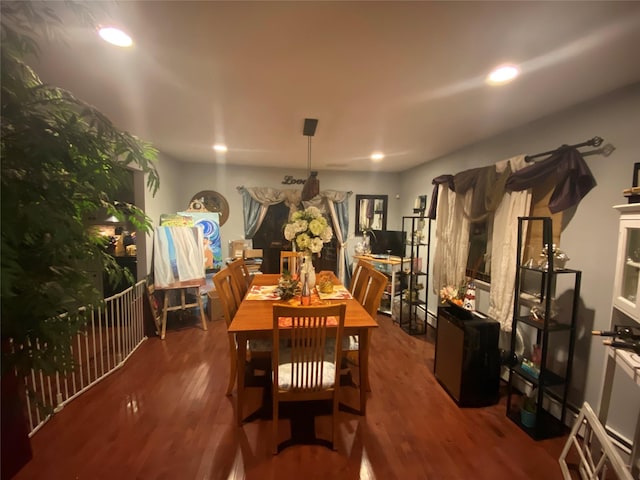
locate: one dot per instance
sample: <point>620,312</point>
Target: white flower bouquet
<point>308,230</point>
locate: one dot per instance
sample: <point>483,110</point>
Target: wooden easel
<point>160,312</point>
<point>161,320</point>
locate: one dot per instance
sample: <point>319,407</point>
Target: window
<point>481,233</point>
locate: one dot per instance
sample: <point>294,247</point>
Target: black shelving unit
<point>414,272</point>
<point>536,287</point>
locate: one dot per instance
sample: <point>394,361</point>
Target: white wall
<point>590,237</point>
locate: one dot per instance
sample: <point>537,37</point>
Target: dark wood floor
<point>165,416</point>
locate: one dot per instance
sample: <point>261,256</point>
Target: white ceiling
<point>406,78</point>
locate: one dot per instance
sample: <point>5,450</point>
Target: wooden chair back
<point>241,275</point>
<point>375,286</point>
<point>308,369</point>
<point>360,280</point>
<point>228,292</point>
<point>289,261</point>
<point>368,288</point>
<point>230,298</point>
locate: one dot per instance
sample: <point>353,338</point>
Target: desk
<point>254,319</point>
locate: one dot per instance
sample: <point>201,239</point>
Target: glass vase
<point>308,269</point>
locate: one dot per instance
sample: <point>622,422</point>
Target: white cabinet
<point>625,312</point>
<point>626,297</point>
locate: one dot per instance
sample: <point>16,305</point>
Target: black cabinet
<point>543,329</point>
<point>467,360</point>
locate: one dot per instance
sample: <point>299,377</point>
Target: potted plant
<point>62,162</point>
<point>528,409</point>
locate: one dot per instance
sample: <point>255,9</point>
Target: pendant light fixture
<point>312,185</point>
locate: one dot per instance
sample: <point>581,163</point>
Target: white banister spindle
<point>93,343</point>
<point>78,355</point>
<point>101,320</point>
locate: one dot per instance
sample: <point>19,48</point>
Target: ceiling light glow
<point>502,75</point>
<point>115,36</point>
<point>377,156</point>
<point>220,148</point>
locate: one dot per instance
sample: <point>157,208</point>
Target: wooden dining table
<point>254,320</point>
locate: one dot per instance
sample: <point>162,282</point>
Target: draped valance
<point>332,203</point>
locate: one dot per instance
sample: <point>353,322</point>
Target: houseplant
<point>528,409</point>
<point>62,162</point>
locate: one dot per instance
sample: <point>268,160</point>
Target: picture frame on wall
<point>371,213</point>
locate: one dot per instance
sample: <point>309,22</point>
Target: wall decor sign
<point>210,201</point>
<point>289,180</point>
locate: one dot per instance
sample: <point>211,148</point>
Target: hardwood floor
<point>165,415</point>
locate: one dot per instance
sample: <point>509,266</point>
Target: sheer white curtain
<point>452,238</point>
<point>340,219</point>
<point>504,247</point>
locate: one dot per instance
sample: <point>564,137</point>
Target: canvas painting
<point>210,225</point>
<point>177,256</point>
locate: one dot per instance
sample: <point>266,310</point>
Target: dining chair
<point>289,261</point>
<point>375,286</point>
<point>367,290</point>
<point>308,369</point>
<point>241,275</point>
<point>230,298</point>
<point>359,278</point>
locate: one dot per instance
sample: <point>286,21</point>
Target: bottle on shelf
<point>620,332</point>
<point>305,296</point>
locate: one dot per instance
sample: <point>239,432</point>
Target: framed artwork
<point>636,174</point>
<point>371,213</point>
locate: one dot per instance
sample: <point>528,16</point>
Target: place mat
<point>340,292</point>
<point>285,322</point>
<point>262,292</point>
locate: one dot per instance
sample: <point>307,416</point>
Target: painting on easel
<point>209,223</point>
<point>177,257</point>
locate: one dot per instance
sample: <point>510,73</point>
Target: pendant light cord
<point>309,156</point>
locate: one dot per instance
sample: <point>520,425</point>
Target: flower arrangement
<point>288,287</point>
<point>308,230</point>
<point>452,294</point>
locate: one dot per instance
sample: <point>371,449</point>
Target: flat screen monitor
<point>387,242</point>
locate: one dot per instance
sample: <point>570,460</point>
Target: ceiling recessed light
<point>502,75</point>
<point>377,156</point>
<point>115,36</point>
<point>220,148</point>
